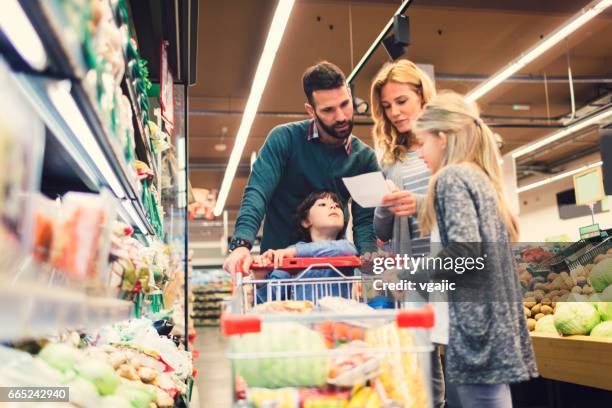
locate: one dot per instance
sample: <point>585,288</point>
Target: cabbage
<point>139,396</point>
<point>606,295</point>
<point>603,329</point>
<point>83,393</point>
<point>59,356</point>
<point>100,374</point>
<point>546,325</point>
<point>604,309</point>
<point>601,275</point>
<point>114,401</point>
<point>576,317</point>
<point>275,372</point>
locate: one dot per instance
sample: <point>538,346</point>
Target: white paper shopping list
<point>367,189</point>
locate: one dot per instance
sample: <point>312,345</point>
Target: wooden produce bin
<point>580,360</point>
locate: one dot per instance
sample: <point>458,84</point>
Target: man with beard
<point>299,158</point>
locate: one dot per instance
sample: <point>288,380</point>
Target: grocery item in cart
<point>402,375</point>
<point>356,363</point>
<point>285,306</point>
<point>303,364</point>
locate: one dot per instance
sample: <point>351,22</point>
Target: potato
<point>552,276</point>
<point>529,302</point>
<point>547,310</point>
<point>553,293</point>
<point>528,294</point>
<point>536,309</point>
<point>587,290</point>
<point>546,301</point>
<point>564,275</point>
<point>600,258</point>
<point>527,312</point>
<point>577,289</point>
<point>555,299</point>
<point>539,316</point>
<point>609,251</point>
<point>127,371</point>
<point>531,323</point>
<point>540,286</point>
<point>581,281</point>
<point>588,267</point>
<point>563,292</point>
<point>568,282</point>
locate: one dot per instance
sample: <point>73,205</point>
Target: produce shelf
<point>32,310</point>
<point>579,360</point>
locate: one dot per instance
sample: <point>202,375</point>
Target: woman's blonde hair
<point>391,145</point>
<point>468,140</point>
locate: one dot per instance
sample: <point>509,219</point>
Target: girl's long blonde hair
<point>469,141</point>
<point>391,145</point>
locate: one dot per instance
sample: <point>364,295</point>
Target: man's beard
<point>331,130</point>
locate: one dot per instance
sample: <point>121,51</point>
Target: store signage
<point>589,231</point>
<point>166,86</point>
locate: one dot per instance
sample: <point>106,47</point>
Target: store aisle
<point>214,373</point>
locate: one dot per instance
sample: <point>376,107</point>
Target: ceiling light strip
<point>573,128</point>
<point>557,177</point>
<point>275,34</point>
<point>578,20</point>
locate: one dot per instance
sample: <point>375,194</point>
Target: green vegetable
<point>546,325</point>
<point>83,393</point>
<point>603,329</point>
<point>604,309</point>
<point>576,317</point>
<point>138,396</point>
<point>601,275</point>
<point>100,374</point>
<point>606,295</point>
<point>115,401</point>
<point>59,356</point>
<point>275,372</point>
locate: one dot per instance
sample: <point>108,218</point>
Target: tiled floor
<point>214,373</point>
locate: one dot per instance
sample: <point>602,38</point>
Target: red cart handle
<point>298,264</point>
<point>420,318</point>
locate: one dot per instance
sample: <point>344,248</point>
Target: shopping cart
<point>327,349</point>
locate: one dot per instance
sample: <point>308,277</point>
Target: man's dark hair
<point>322,76</point>
<point>303,210</point>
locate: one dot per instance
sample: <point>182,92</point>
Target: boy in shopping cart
<point>320,224</point>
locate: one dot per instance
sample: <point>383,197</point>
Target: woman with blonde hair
<point>467,213</point>
<point>399,92</point>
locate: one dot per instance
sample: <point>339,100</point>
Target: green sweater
<point>288,169</point>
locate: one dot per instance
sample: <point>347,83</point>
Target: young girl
<point>321,226</point>
<point>466,212</point>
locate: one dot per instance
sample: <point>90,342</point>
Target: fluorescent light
<point>59,93</point>
<point>573,128</point>
<point>277,28</point>
<point>19,30</point>
<point>578,20</point>
<point>557,177</point>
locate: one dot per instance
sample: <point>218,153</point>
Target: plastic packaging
<point>81,241</point>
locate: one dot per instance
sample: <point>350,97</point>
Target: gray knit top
<point>488,339</point>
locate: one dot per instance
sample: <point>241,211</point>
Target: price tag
<point>166,86</point>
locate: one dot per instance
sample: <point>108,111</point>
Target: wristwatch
<point>239,242</point>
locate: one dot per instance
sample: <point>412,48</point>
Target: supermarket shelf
<point>143,146</point>
<point>78,129</point>
<point>580,360</point>
<point>101,161</point>
<point>31,310</point>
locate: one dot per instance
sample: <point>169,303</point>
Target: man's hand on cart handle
<point>239,261</point>
<point>275,256</point>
